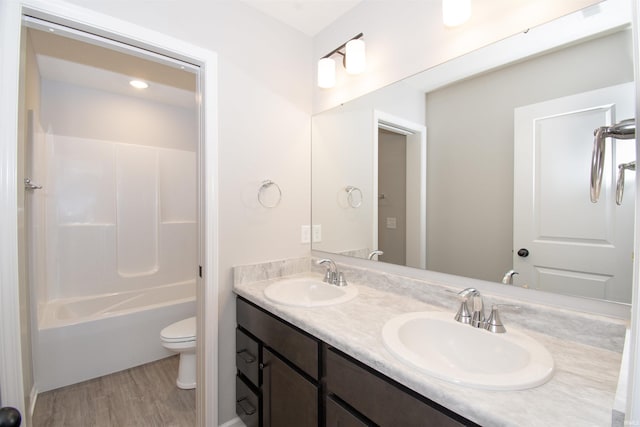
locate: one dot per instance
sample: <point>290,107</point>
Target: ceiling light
<point>354,60</point>
<point>139,84</point>
<point>455,12</point>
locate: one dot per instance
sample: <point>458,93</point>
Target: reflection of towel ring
<point>626,129</point>
<point>350,189</point>
<point>266,184</point>
<point>620,183</point>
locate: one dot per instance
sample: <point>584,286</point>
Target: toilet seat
<point>181,338</point>
<point>180,332</point>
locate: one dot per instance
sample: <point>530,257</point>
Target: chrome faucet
<point>508,277</point>
<point>374,253</point>
<point>474,318</point>
<point>332,276</point>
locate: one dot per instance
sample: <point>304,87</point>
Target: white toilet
<point>181,338</point>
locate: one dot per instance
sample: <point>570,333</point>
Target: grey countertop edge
<point>581,391</point>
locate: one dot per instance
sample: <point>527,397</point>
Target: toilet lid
<point>184,330</point>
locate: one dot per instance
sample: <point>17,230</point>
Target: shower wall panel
<point>120,216</point>
<point>137,210</point>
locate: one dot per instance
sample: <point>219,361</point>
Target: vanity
<point>312,383</point>
<point>328,365</point>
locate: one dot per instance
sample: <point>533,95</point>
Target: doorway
<point>111,223</point>
<point>15,391</point>
<point>400,181</point>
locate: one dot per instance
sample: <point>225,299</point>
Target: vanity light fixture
<point>354,61</point>
<point>139,84</point>
<point>455,12</point>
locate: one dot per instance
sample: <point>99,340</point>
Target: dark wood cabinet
<point>292,379</point>
<point>340,416</point>
<point>247,404</point>
<point>288,398</point>
<point>380,400</point>
<point>287,378</point>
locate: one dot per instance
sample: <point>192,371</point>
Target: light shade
<point>326,73</point>
<point>355,60</point>
<point>455,12</point>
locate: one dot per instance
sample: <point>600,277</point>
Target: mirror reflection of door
<point>575,247</point>
<point>392,190</point>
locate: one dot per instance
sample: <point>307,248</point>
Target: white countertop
<point>581,392</point>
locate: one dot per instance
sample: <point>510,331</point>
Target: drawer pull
<point>246,406</point>
<point>246,356</point>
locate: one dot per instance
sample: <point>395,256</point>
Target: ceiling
<point>307,16</point>
<point>65,59</point>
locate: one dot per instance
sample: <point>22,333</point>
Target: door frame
<point>416,243</point>
<point>59,12</point>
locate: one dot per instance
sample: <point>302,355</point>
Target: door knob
<point>10,417</point>
<point>523,252</point>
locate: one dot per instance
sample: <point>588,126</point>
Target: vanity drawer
<point>247,404</point>
<point>293,344</point>
<point>339,416</point>
<point>381,400</point>
<point>247,351</point>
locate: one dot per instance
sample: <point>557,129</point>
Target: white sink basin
<point>436,344</point>
<point>309,292</point>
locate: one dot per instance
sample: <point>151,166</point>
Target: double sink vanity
<point>386,350</point>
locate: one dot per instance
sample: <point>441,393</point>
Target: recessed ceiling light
<point>139,84</point>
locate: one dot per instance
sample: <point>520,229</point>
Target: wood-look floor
<point>142,396</point>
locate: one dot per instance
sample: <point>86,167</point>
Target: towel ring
<point>620,182</point>
<point>350,189</point>
<point>266,184</point>
<point>626,129</point>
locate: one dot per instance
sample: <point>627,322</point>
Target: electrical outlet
<point>305,234</point>
<point>317,233</point>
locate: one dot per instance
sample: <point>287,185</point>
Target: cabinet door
<point>289,400</point>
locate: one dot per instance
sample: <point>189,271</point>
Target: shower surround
<point>113,256</point>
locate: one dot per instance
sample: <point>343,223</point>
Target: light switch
<point>317,233</point>
<point>305,234</point>
<point>391,222</point>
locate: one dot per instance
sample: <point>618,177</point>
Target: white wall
<point>81,112</point>
<point>264,95</point>
<point>405,37</point>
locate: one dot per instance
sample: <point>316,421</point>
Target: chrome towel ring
<point>264,186</point>
<point>620,182</point>
<point>350,189</point>
<point>626,129</point>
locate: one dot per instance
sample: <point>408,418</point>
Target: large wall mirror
<point>480,167</point>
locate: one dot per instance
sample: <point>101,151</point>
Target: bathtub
<point>84,338</point>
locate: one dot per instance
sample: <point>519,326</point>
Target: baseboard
<point>33,396</point>
<point>234,422</point>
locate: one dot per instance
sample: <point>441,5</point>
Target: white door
<point>573,246</point>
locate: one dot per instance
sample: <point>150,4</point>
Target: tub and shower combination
<point>87,337</point>
<point>115,255</point>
